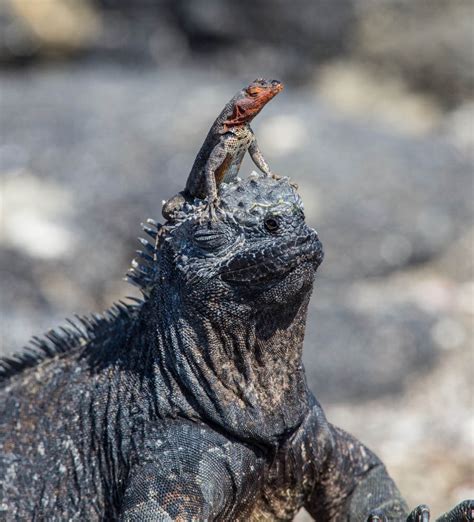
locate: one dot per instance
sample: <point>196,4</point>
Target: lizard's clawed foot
<point>419,514</point>
<point>277,177</point>
<point>173,206</point>
<point>210,210</point>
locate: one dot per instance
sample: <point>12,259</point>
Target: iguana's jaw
<point>269,266</point>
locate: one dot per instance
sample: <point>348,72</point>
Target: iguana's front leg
<point>343,479</point>
<point>356,482</point>
<point>189,472</point>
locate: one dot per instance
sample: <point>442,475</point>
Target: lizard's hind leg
<point>214,173</point>
<point>210,210</point>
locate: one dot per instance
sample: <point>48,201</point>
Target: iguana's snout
<point>273,260</point>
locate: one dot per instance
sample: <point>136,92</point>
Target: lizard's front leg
<point>259,160</point>
<point>357,484</point>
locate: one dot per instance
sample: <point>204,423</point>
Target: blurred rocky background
<point>104,104</point>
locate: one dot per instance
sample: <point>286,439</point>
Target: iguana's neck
<point>237,367</point>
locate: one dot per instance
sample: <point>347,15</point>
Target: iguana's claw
<point>463,512</point>
<point>419,514</point>
<point>212,212</point>
<point>377,516</point>
<point>467,510</point>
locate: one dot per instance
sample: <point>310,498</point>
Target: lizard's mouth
<point>271,263</point>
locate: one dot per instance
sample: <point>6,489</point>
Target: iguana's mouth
<point>269,263</point>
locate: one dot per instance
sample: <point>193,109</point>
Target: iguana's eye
<point>271,224</point>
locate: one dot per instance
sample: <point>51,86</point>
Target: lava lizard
<point>224,148</point>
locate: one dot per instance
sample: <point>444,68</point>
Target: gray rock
<point>430,42</point>
<point>353,353</point>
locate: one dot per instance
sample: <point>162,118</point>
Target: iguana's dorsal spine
<point>81,331</point>
<point>86,329</point>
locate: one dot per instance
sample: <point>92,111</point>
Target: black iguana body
<point>192,404</point>
<point>225,146</point>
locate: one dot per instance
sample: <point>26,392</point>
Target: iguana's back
<point>59,423</point>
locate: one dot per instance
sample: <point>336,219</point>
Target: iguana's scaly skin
<point>193,404</point>
<point>225,146</point>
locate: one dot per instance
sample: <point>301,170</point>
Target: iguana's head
<point>259,251</point>
<point>247,103</point>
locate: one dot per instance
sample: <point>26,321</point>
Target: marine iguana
<point>191,404</point>
<point>224,148</point>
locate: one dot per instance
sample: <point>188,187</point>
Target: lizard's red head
<point>252,99</point>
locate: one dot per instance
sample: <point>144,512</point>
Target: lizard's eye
<point>271,224</point>
<point>253,91</point>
